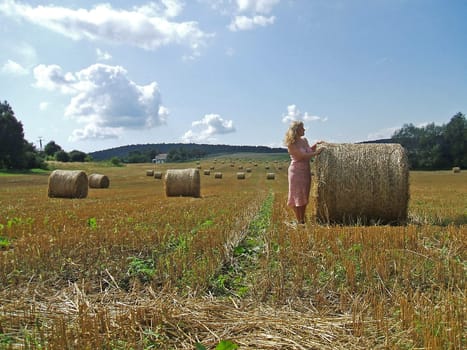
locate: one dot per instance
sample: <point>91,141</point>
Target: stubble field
<point>129,268</point>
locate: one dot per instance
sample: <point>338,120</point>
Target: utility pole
<point>40,143</point>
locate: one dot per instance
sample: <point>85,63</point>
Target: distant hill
<point>123,152</point>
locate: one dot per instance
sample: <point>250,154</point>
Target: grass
<point>128,268</point>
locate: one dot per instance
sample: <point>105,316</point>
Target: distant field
<point>129,268</point>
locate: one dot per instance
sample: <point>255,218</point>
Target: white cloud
<point>43,106</point>
<point>103,55</point>
<point>148,27</point>
<point>13,68</point>
<point>256,6</point>
<point>207,128</point>
<point>104,100</point>
<point>52,78</point>
<point>293,114</point>
<point>248,23</point>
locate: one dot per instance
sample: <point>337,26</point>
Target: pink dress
<point>299,173</point>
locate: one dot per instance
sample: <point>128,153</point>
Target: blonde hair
<point>291,136</point>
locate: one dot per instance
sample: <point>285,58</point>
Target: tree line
<point>17,153</point>
<point>433,147</point>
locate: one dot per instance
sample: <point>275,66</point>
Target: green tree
<point>62,156</point>
<point>77,156</point>
<point>435,147</point>
<point>12,142</point>
<point>51,148</point>
<point>455,138</point>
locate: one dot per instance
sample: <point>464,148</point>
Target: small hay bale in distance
<point>248,170</point>
<point>158,175</point>
<point>240,176</point>
<point>68,184</point>
<point>207,172</point>
<point>361,183</point>
<point>456,169</point>
<point>218,175</point>
<point>271,176</point>
<point>149,172</point>
<point>98,181</point>
<point>182,182</point>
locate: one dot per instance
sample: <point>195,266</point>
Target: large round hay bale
<point>98,181</point>
<point>149,172</point>
<point>456,169</point>
<point>361,183</point>
<point>241,176</point>
<point>270,176</point>
<point>218,175</point>
<point>158,175</point>
<point>182,182</point>
<point>68,184</point>
<point>207,172</point>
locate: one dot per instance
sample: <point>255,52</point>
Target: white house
<point>160,158</point>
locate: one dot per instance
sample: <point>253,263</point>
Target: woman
<point>299,169</point>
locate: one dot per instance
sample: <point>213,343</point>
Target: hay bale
<point>248,170</point>
<point>207,172</point>
<point>271,176</point>
<point>182,182</point>
<point>218,175</point>
<point>361,183</point>
<point>158,175</point>
<point>456,169</point>
<point>98,181</point>
<point>68,184</point>
<point>240,176</point>
<point>149,172</point>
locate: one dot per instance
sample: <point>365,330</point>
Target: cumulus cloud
<point>258,6</point>
<point>248,23</point>
<point>207,128</point>
<point>104,100</point>
<point>148,27</point>
<point>13,68</point>
<point>293,114</point>
<point>246,14</point>
<point>103,55</point>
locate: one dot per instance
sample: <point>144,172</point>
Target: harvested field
<point>130,268</point>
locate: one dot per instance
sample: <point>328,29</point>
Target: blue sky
<point>93,75</point>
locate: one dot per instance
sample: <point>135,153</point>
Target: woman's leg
<point>300,213</point>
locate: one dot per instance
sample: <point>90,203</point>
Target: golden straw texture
<point>98,181</point>
<point>361,183</point>
<point>182,182</point>
<point>68,184</point>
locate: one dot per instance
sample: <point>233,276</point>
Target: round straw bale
<point>218,175</point>
<point>68,184</point>
<point>158,175</point>
<point>271,176</point>
<point>149,172</point>
<point>456,169</point>
<point>361,183</point>
<point>98,181</point>
<point>248,170</point>
<point>182,182</point>
<point>240,175</point>
<point>207,172</point>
